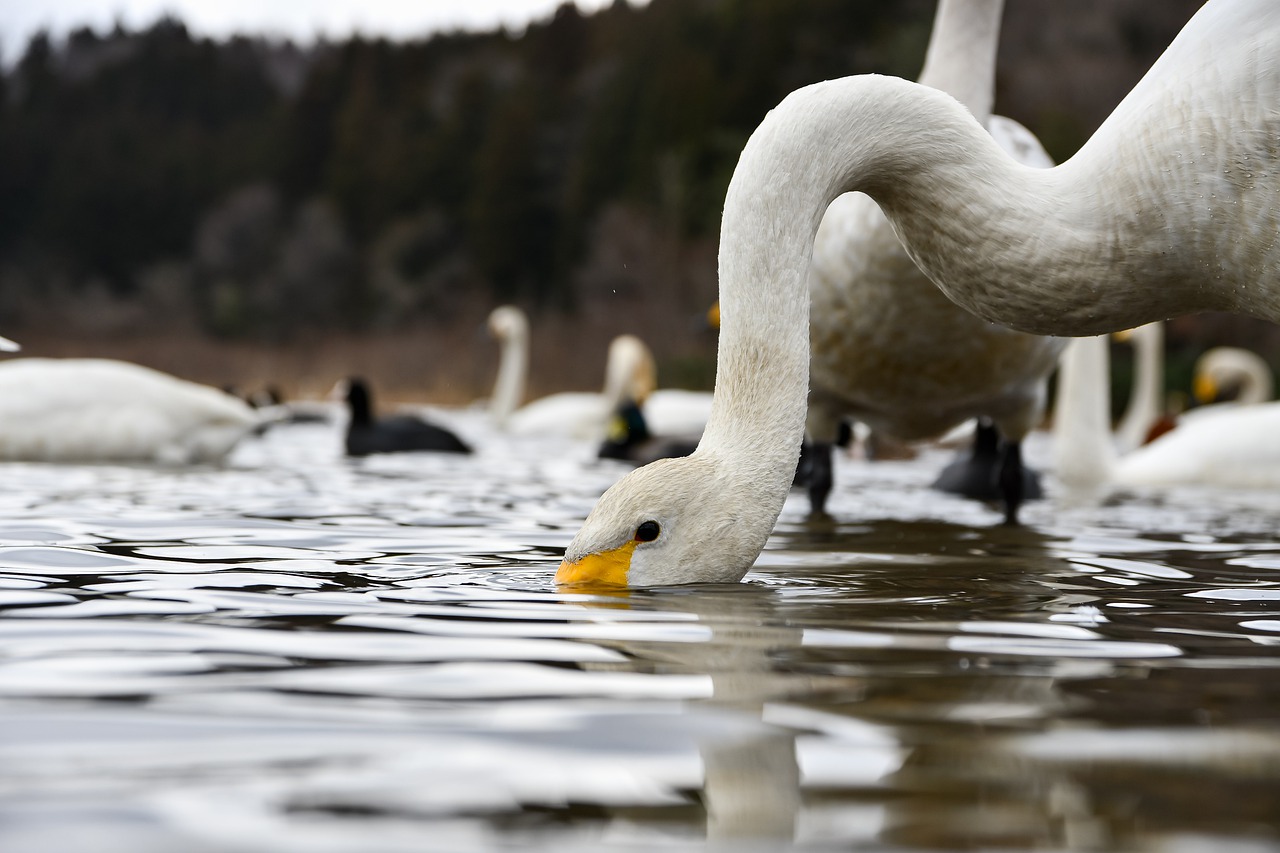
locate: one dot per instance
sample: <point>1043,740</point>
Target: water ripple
<point>297,651</point>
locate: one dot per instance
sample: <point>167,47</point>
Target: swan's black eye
<point>648,531</point>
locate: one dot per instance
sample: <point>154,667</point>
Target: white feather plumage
<point>1169,208</point>
<point>99,410</point>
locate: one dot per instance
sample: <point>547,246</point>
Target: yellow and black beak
<point>602,569</point>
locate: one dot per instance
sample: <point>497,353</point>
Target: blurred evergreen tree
<point>478,161</point>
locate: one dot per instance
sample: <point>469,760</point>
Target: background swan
<point>510,327</point>
<point>1146,397</point>
<point>1235,448</point>
<point>100,410</point>
<point>584,415</point>
<point>1241,375</point>
<point>677,411</point>
<point>892,351</point>
<point>630,374</point>
<point>1169,208</point>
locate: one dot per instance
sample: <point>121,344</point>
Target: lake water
<point>301,652</point>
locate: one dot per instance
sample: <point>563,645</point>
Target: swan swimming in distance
<point>1146,399</point>
<point>1169,208</point>
<point>101,410</point>
<point>1234,447</point>
<point>1241,375</point>
<point>888,348</point>
<point>629,374</point>
<point>510,328</point>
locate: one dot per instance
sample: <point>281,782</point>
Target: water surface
<point>301,652</point>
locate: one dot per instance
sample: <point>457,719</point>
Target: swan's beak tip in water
<point>604,570</point>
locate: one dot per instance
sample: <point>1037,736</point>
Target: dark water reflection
<point>301,653</point>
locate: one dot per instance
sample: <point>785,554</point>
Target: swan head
<point>507,322</point>
<point>673,521</point>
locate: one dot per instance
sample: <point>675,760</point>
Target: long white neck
<point>1244,370</point>
<point>1146,400</point>
<point>1256,383</point>
<point>513,372</point>
<point>1084,457</point>
<point>1140,225</point>
<point>961,58</point>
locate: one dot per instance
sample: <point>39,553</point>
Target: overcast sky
<point>301,20</point>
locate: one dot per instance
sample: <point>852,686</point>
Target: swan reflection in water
<point>888,714</point>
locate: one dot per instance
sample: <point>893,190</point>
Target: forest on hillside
<point>262,191</point>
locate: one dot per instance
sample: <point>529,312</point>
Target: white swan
<point>677,411</point>
<point>1146,399</point>
<point>510,327</point>
<point>1233,448</point>
<point>99,410</point>
<point>629,373</point>
<point>1169,208</point>
<point>1240,373</point>
<point>888,348</point>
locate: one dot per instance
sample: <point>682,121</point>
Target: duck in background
<point>368,434</point>
<point>889,349</point>
<point>629,439</point>
<point>102,410</point>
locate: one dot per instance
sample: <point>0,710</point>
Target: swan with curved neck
<point>1167,209</point>
<point>888,348</point>
<point>1231,369</point>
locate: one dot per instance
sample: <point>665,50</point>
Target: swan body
<point>888,348</point>
<point>1169,208</point>
<point>1235,449</point>
<point>100,410</point>
<point>676,411</point>
<point>368,434</point>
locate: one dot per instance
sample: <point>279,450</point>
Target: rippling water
<point>299,652</point>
